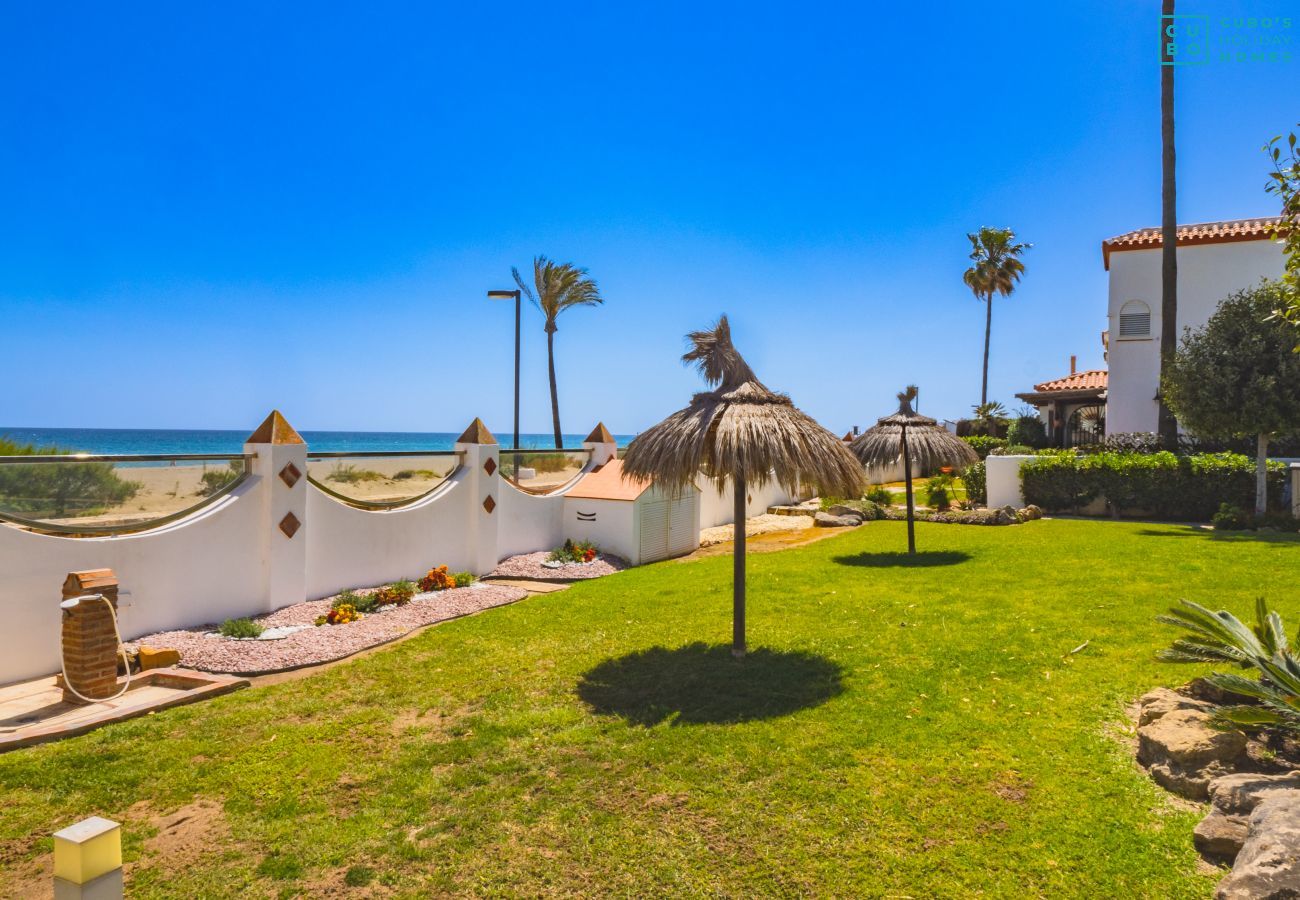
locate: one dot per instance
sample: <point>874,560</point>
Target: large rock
<point>1005,516</point>
<point>1157,703</point>
<point>849,512</point>
<point>1268,866</point>
<point>1219,837</point>
<point>1184,753</point>
<point>1239,794</point>
<point>826,520</point>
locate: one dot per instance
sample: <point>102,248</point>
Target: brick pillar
<point>602,445</point>
<point>482,460</point>
<point>90,651</point>
<point>281,465</point>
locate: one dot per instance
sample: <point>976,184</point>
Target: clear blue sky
<point>211,212</point>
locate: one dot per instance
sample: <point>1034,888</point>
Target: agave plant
<point>1222,637</point>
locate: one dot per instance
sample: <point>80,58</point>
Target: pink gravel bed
<point>529,565</point>
<point>316,645</point>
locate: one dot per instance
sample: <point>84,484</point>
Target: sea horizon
<point>117,441</point>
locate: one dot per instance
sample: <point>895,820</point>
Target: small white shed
<point>631,518</point>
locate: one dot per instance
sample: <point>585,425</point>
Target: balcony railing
<point>543,471</point>
<point>381,479</point>
<point>88,495</point>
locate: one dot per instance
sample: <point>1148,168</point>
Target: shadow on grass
<point>703,684</point>
<point>923,559</point>
<point>1279,538</point>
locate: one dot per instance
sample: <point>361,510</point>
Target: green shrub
<point>408,474</point>
<point>53,491</point>
<point>240,628</point>
<point>218,479</point>
<point>1236,518</point>
<point>538,462</point>
<point>1027,430</point>
<point>1013,450</point>
<point>983,444</point>
<point>975,478</point>
<point>463,579</point>
<point>362,603</point>
<point>574,552</point>
<point>347,473</point>
<point>826,503</point>
<point>399,593</point>
<point>1162,485</point>
<point>1231,518</point>
<point>879,494</point>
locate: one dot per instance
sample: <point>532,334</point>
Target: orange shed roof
<point>608,483</point>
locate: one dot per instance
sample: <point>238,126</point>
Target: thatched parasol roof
<point>928,444</point>
<point>740,429</point>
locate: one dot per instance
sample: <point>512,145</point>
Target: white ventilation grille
<point>1135,320</point>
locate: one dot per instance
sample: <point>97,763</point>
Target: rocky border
<point>1254,795</point>
<point>847,515</point>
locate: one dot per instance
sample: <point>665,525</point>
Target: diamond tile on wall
<point>489,504</point>
<point>490,466</point>
<point>290,474</point>
<point>290,525</point>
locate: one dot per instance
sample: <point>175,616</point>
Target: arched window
<point>1087,425</point>
<point>1135,320</point>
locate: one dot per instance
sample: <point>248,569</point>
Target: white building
<point>1214,261</point>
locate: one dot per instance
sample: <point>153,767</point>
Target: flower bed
<point>532,566</point>
<point>315,645</point>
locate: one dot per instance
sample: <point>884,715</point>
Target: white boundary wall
<point>1002,481</point>
<point>232,558</point>
<point>716,505</point>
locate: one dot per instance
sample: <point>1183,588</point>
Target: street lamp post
<point>516,296</point>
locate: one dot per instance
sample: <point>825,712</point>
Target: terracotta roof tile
<point>1203,233</point>
<point>1091,380</point>
<point>608,483</point>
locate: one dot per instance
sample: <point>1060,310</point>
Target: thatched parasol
<point>915,438</point>
<point>741,432</point>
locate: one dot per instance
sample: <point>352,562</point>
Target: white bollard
<point>88,861</point>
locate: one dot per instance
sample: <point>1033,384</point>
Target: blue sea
<point>149,440</point>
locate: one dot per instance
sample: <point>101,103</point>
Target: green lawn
<point>901,730</point>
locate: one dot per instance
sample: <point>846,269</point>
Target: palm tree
<point>989,418</point>
<point>997,269</point>
<point>559,286</point>
<point>1167,424</point>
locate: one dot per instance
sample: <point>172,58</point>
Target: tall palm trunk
<point>1167,424</point>
<point>1261,474</point>
<point>988,332</point>
<point>555,394</point>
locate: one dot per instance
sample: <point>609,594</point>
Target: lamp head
<point>503,295</point>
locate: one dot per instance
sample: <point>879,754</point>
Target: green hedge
<point>975,478</point>
<point>1163,485</point>
<point>983,444</point>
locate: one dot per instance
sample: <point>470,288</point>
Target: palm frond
<point>557,287</point>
